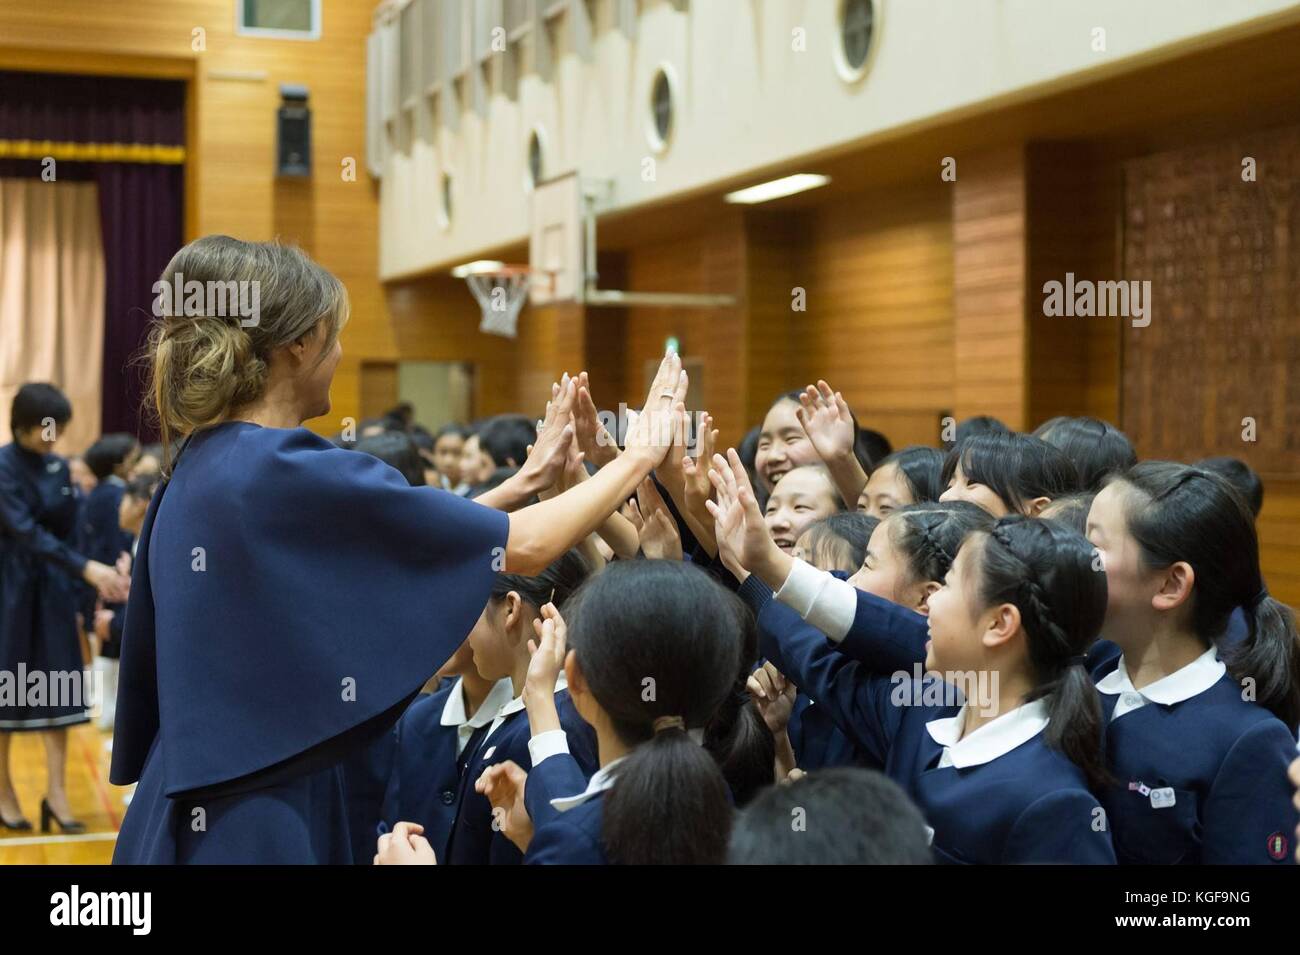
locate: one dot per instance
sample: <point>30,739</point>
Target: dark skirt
<point>43,685</point>
<point>298,821</point>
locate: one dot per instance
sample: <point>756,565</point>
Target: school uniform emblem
<point>1277,846</point>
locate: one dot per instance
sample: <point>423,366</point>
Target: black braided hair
<point>928,535</point>
<point>1049,573</point>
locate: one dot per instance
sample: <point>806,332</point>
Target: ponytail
<point>1182,513</point>
<point>668,805</point>
<point>660,644</point>
<point>1045,570</point>
<point>1270,656</point>
<point>1074,724</point>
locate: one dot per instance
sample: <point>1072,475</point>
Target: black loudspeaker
<point>293,132</point>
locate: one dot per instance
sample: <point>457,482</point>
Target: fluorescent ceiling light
<point>476,267</point>
<point>777,188</point>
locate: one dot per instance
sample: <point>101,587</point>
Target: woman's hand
<point>405,845</point>
<point>656,528</point>
<point>773,695</point>
<point>503,784</point>
<point>744,543</point>
<point>650,433</point>
<point>112,586</point>
<point>669,472</point>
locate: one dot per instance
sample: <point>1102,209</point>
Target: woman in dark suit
<point>290,598</point>
<point>40,654</point>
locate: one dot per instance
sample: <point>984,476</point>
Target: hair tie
<point>662,723</point>
<point>1258,599</point>
<point>1078,660</point>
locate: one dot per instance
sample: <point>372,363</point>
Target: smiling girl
<point>1020,603</point>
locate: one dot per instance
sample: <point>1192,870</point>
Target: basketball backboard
<point>556,243</point>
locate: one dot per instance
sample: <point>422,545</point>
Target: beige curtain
<point>52,299</point>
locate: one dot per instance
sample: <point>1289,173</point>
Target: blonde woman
<point>290,598</point>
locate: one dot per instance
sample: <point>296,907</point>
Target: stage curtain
<point>52,298</point>
<point>127,136</point>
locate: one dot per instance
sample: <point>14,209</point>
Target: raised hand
<point>669,472</point>
<point>695,468</point>
<point>656,528</point>
<point>594,440</point>
<point>650,433</point>
<point>550,454</point>
<point>774,696</point>
<point>744,543</point>
<point>573,472</point>
<point>548,652</point>
<point>827,421</point>
<point>504,784</point>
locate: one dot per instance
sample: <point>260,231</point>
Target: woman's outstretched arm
<point>542,532</point>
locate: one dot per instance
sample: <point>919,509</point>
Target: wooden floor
<point>94,801</point>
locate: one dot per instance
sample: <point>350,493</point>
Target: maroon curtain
<point>140,203</point>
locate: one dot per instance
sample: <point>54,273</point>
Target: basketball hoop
<point>500,290</point>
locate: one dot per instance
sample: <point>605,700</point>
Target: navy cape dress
<point>288,600</point>
<point>40,593</point>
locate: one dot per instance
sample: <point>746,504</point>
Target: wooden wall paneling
<point>989,275</point>
<point>880,320</point>
<point>777,263</point>
<point>436,319</point>
<point>379,387</point>
<point>605,340</point>
<point>1072,210</point>
<point>711,259</point>
<point>1223,344</point>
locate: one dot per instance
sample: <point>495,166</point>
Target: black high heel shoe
<point>22,825</point>
<point>67,826</point>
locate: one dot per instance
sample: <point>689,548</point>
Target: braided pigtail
<point>1046,570</point>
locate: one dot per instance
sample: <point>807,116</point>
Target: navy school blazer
<point>1225,758</point>
<point>571,837</point>
<point>1030,805</point>
<point>473,839</point>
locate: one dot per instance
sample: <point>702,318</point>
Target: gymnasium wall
<point>878,270</point>
<point>933,60</point>
<point>232,150</point>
